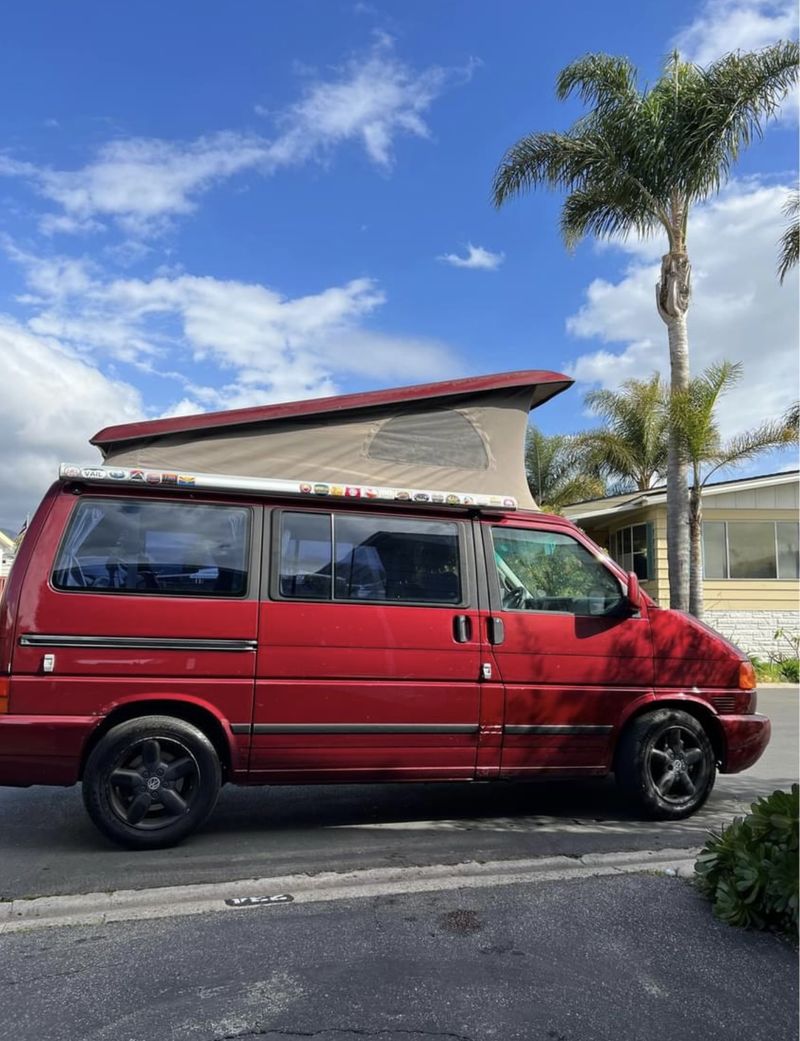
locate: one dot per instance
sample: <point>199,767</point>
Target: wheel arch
<point>683,703</point>
<point>196,712</point>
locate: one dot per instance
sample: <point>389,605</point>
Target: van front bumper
<point>42,749</point>
<point>746,737</point>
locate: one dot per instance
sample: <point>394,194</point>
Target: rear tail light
<point>747,676</point>
<point>5,683</point>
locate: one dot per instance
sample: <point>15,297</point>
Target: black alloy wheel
<point>155,784</point>
<point>678,765</point>
<point>665,762</point>
<point>150,781</point>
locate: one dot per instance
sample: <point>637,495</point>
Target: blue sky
<point>206,206</point>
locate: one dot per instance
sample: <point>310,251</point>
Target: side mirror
<point>633,597</point>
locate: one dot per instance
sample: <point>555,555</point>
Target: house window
<point>751,549</point>
<point>631,548</point>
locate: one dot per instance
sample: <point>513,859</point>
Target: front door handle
<point>496,630</point>
<point>462,629</point>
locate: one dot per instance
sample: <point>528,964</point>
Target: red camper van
<point>352,589</point>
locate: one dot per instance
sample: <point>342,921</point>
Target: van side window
<point>341,557</point>
<point>305,555</point>
<point>548,571</point>
<point>155,548</point>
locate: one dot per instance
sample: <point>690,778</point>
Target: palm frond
<point>632,448</point>
<point>746,446</point>
<point>790,240</point>
<point>724,108</point>
<point>612,210</point>
<point>559,471</point>
<point>600,80</point>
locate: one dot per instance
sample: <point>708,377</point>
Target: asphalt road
<point>48,846</point>
<point>637,958</point>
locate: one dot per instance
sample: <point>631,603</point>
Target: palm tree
<point>631,447</point>
<point>693,418</point>
<point>558,473</point>
<point>636,162</point>
<point>790,240</point>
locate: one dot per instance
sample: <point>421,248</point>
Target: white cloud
<point>261,345</point>
<point>371,100</point>
<point>733,25</point>
<point>52,404</point>
<point>477,258</point>
<point>738,312</point>
<point>218,344</point>
<point>142,183</point>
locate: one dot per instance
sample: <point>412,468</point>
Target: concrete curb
<point>169,901</point>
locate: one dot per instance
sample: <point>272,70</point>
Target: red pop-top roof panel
<point>543,385</point>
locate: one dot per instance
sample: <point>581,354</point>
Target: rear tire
<point>151,781</point>
<point>665,763</point>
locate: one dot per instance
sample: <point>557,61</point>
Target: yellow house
<point>751,566</point>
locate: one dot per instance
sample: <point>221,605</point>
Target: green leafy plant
<point>790,670</point>
<point>749,870</point>
<point>788,664</point>
<point>767,671</point>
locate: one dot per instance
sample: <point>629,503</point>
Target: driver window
<point>548,571</point>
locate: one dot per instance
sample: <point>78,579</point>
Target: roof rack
<point>144,478</point>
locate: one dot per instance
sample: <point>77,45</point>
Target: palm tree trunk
<point>696,555</point>
<point>672,297</point>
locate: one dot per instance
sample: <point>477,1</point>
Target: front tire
<point>665,763</point>
<point>151,781</point>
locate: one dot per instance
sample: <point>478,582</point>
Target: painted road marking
<point>243,896</point>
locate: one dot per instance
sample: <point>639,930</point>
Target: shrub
<point>778,670</point>
<point>749,870</point>
<point>790,670</point>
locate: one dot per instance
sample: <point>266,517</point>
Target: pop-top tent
<point>452,436</point>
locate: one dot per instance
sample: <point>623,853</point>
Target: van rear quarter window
<point>155,548</point>
<point>343,557</point>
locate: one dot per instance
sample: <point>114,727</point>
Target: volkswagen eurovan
<point>404,613</point>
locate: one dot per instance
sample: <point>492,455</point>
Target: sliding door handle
<point>495,630</point>
<point>462,629</point>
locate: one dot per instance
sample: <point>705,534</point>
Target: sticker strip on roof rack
<point>268,485</point>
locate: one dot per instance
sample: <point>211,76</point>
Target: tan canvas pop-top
<point>457,435</point>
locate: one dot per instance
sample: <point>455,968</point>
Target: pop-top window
<point>441,438</point>
<point>125,546</point>
<point>339,557</point>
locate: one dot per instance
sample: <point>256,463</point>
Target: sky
<point>209,206</point>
